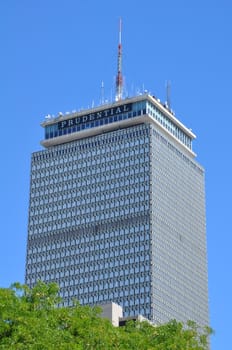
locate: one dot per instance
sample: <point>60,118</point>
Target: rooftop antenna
<point>119,78</point>
<point>168,93</point>
<point>102,93</point>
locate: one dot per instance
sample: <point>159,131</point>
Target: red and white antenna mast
<point>119,78</point>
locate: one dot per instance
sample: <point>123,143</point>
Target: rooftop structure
<point>108,117</point>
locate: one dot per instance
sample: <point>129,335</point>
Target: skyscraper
<point>117,211</point>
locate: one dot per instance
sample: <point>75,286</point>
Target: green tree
<point>31,319</point>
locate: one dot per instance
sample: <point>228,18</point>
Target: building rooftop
<point>108,117</point>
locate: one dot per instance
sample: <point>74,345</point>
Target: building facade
<point>117,211</point>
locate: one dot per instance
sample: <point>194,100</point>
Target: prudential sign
<point>110,112</point>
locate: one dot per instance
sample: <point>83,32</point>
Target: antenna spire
<point>119,78</point>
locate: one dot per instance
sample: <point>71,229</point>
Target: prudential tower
<point>117,210</point>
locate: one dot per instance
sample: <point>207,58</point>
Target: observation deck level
<point>122,114</point>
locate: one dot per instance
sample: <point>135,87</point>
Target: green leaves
<point>31,319</point>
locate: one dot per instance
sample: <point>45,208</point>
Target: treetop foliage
<point>31,319</point>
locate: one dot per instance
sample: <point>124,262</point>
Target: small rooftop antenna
<point>119,78</point>
<point>102,92</point>
<point>168,94</point>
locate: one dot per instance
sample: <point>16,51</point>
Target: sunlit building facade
<point>117,211</point>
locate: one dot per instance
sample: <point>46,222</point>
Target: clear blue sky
<point>54,55</point>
